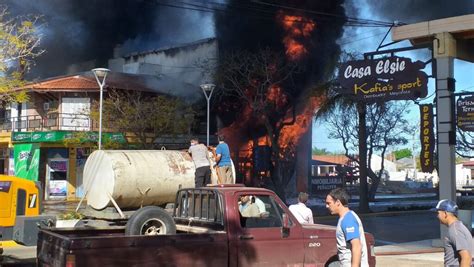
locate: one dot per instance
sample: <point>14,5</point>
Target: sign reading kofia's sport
<point>391,78</point>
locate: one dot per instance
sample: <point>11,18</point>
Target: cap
<point>446,205</point>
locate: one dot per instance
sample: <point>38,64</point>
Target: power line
<point>268,14</point>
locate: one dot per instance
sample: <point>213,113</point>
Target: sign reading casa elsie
<point>391,78</point>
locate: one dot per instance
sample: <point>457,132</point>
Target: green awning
<point>60,136</point>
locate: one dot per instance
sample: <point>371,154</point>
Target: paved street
<point>396,227</point>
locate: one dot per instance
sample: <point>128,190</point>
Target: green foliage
<point>320,151</point>
<point>402,153</point>
<point>71,215</point>
<point>81,138</point>
<point>19,46</point>
<point>146,117</point>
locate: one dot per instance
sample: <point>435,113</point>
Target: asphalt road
<point>396,227</point>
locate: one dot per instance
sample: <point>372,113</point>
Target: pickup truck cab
<point>210,231</point>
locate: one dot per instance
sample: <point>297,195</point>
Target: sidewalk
<point>419,253</point>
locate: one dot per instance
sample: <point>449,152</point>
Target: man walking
<point>458,241</point>
<point>350,236</point>
<point>224,162</point>
<point>200,155</point>
<point>302,213</point>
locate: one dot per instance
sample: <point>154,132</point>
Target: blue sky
<point>363,40</point>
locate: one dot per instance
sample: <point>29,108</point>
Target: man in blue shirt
<point>350,237</point>
<point>224,162</point>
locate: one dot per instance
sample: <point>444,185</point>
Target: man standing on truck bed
<point>224,162</point>
<point>350,236</point>
<point>200,156</point>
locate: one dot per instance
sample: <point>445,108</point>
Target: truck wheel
<point>150,221</point>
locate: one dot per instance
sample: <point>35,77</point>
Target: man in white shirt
<point>303,214</point>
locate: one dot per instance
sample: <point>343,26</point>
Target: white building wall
<point>376,164</point>
<point>174,62</point>
<point>463,176</point>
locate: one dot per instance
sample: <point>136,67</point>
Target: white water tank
<point>135,178</point>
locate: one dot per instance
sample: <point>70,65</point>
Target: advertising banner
<point>26,158</point>
<point>427,138</point>
<point>60,136</point>
<point>58,189</point>
<point>465,113</point>
<point>383,79</point>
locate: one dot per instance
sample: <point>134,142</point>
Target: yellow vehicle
<point>20,209</point>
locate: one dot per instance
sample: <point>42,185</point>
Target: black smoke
<point>77,31</point>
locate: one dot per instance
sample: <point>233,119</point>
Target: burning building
<point>306,32</point>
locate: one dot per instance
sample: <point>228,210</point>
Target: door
<point>260,241</point>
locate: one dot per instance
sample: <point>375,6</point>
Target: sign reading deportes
<point>391,78</point>
<point>427,138</point>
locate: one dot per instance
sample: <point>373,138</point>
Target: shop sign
<point>60,136</point>
<point>26,158</point>
<point>324,184</point>
<point>427,138</point>
<point>391,78</point>
<point>465,113</point>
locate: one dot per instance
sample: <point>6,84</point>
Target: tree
<point>320,151</point>
<point>402,153</point>
<point>465,143</point>
<point>19,46</point>
<point>263,83</point>
<point>146,117</point>
<point>385,125</point>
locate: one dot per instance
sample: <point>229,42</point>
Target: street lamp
<point>100,75</point>
<point>207,89</point>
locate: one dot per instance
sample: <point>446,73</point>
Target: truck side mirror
<point>285,230</point>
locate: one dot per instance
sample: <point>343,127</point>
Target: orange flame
<point>276,95</point>
<point>296,28</point>
<point>291,134</point>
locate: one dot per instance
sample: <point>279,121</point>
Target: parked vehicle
<point>206,229</point>
<point>20,208</point>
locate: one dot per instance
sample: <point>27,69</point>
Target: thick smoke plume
<point>77,31</point>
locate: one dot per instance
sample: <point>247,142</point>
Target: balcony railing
<point>52,121</point>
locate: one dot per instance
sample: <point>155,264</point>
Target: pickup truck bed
<point>109,247</point>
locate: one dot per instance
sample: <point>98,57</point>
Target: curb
<point>421,251</point>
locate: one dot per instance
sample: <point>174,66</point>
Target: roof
<point>468,164</point>
<point>170,48</point>
<point>335,159</point>
<point>86,82</point>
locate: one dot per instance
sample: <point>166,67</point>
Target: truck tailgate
<point>207,249</point>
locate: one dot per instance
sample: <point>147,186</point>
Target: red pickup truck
<point>206,228</point>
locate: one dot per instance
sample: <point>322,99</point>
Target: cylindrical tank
<point>135,178</point>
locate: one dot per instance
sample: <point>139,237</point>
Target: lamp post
<point>207,89</point>
<point>100,75</point>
